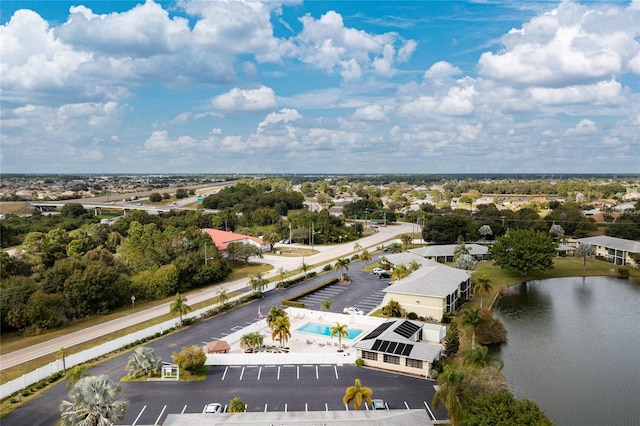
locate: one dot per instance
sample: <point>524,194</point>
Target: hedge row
<point>293,301</point>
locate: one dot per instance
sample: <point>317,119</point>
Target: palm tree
<point>414,266</point>
<point>357,247</point>
<point>251,340</point>
<point>399,272</point>
<point>236,405</point>
<point>180,306</point>
<point>365,257</point>
<point>460,249</point>
<point>585,250</point>
<point>93,401</point>
<point>395,248</point>
<point>62,354</point>
<point>222,296</point>
<point>281,330</point>
<point>472,317</point>
<point>406,239</point>
<point>274,314</point>
<point>304,268</point>
<point>258,282</point>
<point>392,309</point>
<point>339,330</point>
<point>450,392</point>
<point>143,362</point>
<point>326,304</point>
<point>282,273</point>
<point>480,358</point>
<point>482,285</point>
<point>357,393</point>
<point>75,374</point>
<point>342,264</point>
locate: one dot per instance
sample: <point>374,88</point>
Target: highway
<point>324,255</point>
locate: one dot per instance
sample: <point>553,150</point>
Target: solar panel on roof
<point>392,347</point>
<point>406,329</point>
<point>407,350</point>
<point>398,350</point>
<point>378,330</point>
<point>376,345</point>
<point>384,346</point>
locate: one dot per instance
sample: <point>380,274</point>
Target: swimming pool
<point>325,330</point>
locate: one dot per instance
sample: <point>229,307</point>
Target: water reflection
<point>573,348</point>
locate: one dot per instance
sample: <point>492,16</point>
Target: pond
<point>574,348</point>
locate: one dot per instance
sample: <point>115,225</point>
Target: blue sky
<point>320,87</point>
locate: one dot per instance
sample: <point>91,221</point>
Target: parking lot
<point>276,388</point>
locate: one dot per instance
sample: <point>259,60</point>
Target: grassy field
<point>14,207</point>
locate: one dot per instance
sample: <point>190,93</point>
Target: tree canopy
<point>524,250</point>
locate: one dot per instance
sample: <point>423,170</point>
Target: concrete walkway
<point>324,255</point>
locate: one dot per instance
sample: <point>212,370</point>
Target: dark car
<point>382,275</point>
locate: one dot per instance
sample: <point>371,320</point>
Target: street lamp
<point>133,302</point>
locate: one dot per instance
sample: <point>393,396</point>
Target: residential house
<point>400,345</point>
<point>431,290</point>
<point>615,250</point>
<point>444,252</point>
<point>222,238</point>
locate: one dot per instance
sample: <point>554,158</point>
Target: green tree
<point>223,296</point>
<point>395,248</point>
<point>304,268</point>
<point>93,401</point>
<point>282,272</point>
<point>451,392</point>
<point>342,265</point>
<point>258,282</point>
<point>236,405</point>
<point>281,330</point>
<point>62,354</point>
<point>481,285</point>
<point>143,362</point>
<point>399,272</point>
<point>325,305</point>
<point>471,317</point>
<point>75,374</point>
<point>243,251</point>
<point>503,409</point>
<point>273,315</point>
<point>190,358</point>
<point>490,330</point>
<point>271,239</point>
<point>392,309</point>
<point>479,358</point>
<point>465,261</point>
<point>155,197</point>
<point>406,240</point>
<point>180,307</point>
<point>251,340</point>
<point>339,330</point>
<point>357,393</point>
<point>524,250</point>
<point>460,249</point>
<point>365,257</point>
<point>585,250</point>
<point>73,210</point>
<point>452,340</point>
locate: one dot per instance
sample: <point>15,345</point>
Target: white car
<point>213,408</point>
<point>353,311</point>
<point>377,271</point>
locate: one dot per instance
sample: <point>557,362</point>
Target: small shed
<point>218,347</point>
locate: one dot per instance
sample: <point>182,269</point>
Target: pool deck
<point>303,348</point>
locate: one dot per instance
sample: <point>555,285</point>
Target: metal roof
<point>612,242</point>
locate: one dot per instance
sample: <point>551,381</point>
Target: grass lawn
<point>14,207</point>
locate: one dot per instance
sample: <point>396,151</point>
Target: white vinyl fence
<point>71,361</point>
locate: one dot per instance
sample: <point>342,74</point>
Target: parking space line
<point>366,406</point>
<point>429,410</point>
<point>259,372</point>
<point>138,418</point>
<point>335,367</point>
<point>297,372</point>
<point>346,407</point>
<point>184,409</point>
<point>225,373</point>
<point>326,406</point>
<point>265,408</point>
<point>242,373</point>
<point>406,405</point>
<point>160,416</point>
<point>285,407</point>
<point>317,376</point>
<point>278,377</point>
<point>305,407</point>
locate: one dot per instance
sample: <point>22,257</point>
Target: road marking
<point>285,407</point>
<point>429,410</point>
<point>326,406</point>
<point>305,407</point>
<point>225,373</point>
<point>406,405</point>
<point>184,409</point>
<point>242,373</point>
<point>346,407</point>
<point>138,418</point>
<point>317,377</point>
<point>278,377</point>
<point>259,372</point>
<point>160,416</point>
<point>335,367</point>
<point>265,408</point>
<point>297,372</point>
<point>366,406</point>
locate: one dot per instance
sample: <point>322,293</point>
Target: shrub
<point>447,318</point>
<point>359,362</point>
<point>623,273</point>
<point>327,267</point>
<point>190,358</point>
<point>25,392</point>
<point>490,330</point>
<point>13,400</point>
<point>412,316</point>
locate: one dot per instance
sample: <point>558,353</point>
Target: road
<point>324,255</point>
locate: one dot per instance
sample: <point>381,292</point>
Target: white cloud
<point>285,115</point>
<point>573,44</point>
<point>159,141</point>
<point>601,93</point>
<point>441,72</point>
<point>237,99</point>
<point>373,112</point>
<point>584,127</point>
